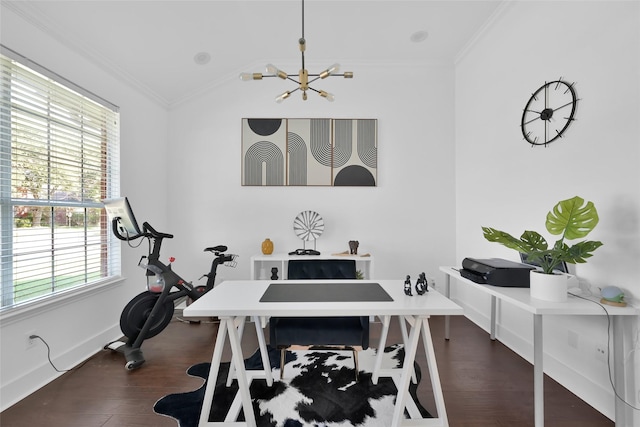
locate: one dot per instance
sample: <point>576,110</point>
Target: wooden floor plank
<point>484,383</point>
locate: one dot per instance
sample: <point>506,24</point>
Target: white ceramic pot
<point>548,287</point>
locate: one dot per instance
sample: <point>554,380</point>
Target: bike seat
<point>219,248</point>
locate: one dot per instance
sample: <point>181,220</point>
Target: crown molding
<point>30,12</point>
<point>497,14</point>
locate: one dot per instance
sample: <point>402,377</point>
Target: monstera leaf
<point>529,241</point>
<point>571,219</point>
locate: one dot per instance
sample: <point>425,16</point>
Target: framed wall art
<point>309,152</point>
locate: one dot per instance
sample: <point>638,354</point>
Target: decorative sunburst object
<point>308,226</point>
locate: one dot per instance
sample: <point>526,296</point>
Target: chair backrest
<point>322,269</point>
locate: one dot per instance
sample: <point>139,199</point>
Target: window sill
<point>34,308</point>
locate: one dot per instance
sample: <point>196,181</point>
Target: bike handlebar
<point>148,229</point>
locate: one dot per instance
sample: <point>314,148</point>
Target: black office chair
<point>347,332</point>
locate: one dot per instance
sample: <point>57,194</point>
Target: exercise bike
<point>149,313</point>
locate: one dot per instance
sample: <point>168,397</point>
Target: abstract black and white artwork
<point>309,152</point>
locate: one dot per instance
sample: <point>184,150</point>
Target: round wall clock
<point>308,225</point>
<point>549,112</point>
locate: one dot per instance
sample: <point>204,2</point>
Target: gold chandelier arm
<point>291,77</point>
<point>328,96</point>
<point>317,77</point>
<point>251,76</point>
<point>346,75</point>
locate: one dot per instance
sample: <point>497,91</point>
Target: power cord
<point>615,391</point>
<point>33,337</point>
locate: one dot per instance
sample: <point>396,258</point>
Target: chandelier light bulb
<point>271,69</point>
<point>331,70</point>
<point>328,96</point>
<point>282,97</point>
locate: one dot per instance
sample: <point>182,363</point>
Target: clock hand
<point>546,97</point>
<point>562,106</point>
<point>532,120</point>
<point>546,139</point>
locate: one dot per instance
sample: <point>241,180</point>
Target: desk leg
<point>232,369</point>
<point>263,352</point>
<point>405,340</point>
<point>493,318</point>
<point>266,364</point>
<point>538,372</point>
<point>433,373</point>
<point>386,321</point>
<point>624,416</point>
<point>403,386</point>
<point>420,325</point>
<point>238,360</point>
<point>213,374</point>
<point>447,293</point>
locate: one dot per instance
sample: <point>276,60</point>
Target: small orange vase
<point>267,247</point>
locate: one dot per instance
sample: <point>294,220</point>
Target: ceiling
<point>153,44</point>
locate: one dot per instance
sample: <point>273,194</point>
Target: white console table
<point>520,297</point>
<point>261,264</point>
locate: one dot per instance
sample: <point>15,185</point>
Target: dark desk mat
<point>325,292</point>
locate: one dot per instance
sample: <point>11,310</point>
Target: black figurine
<point>426,282</point>
<point>407,286</point>
<point>274,273</point>
<point>421,284</point>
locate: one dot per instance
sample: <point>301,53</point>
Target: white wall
<point>181,170</point>
<point>79,326</point>
<point>405,222</point>
<point>502,182</point>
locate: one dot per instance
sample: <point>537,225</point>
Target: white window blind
<point>59,157</point>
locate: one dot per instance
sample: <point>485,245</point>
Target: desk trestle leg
<point>420,326</point>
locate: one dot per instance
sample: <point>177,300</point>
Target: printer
<point>496,272</point>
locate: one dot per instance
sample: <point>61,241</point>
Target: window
<point>59,157</point>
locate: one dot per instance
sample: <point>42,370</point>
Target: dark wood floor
<point>484,383</point>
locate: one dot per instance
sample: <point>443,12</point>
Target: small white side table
<point>261,264</point>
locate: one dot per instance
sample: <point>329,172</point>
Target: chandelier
<point>303,78</point>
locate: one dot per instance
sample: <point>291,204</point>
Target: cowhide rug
<point>318,390</point>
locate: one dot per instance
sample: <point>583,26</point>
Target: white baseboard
<point>36,377</point>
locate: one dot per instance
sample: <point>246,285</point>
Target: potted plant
<point>570,219</point>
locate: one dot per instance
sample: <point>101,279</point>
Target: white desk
<point>261,264</point>
<point>573,306</point>
<point>233,301</point>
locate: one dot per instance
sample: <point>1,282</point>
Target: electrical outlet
<point>30,342</point>
<point>601,352</point>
